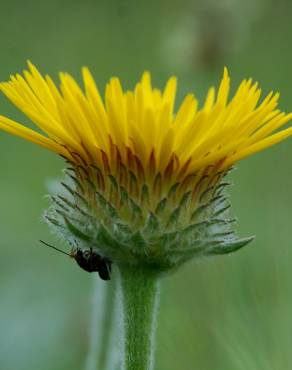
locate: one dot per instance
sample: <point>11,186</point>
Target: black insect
<point>88,260</point>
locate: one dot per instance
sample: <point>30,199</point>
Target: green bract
<point>127,231</point>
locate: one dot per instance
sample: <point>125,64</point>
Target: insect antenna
<point>57,249</point>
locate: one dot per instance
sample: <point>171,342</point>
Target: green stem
<point>139,286</point>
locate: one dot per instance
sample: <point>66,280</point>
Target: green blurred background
<point>229,313</point>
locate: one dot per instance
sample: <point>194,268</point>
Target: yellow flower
<point>142,123</point>
<point>133,147</point>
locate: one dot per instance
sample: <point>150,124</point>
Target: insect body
<point>89,261</point>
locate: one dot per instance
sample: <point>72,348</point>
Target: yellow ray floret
<point>76,121</point>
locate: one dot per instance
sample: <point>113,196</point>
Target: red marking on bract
<point>157,186</point>
<point>152,164</point>
<point>130,159</point>
<point>105,161</point>
<point>139,169</point>
<point>169,170</point>
<point>183,170</point>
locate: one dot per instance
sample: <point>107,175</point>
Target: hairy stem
<point>139,287</point>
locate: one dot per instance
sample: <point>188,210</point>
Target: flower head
<point>147,180</point>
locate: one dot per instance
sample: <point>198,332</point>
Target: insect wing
<point>104,270</point>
